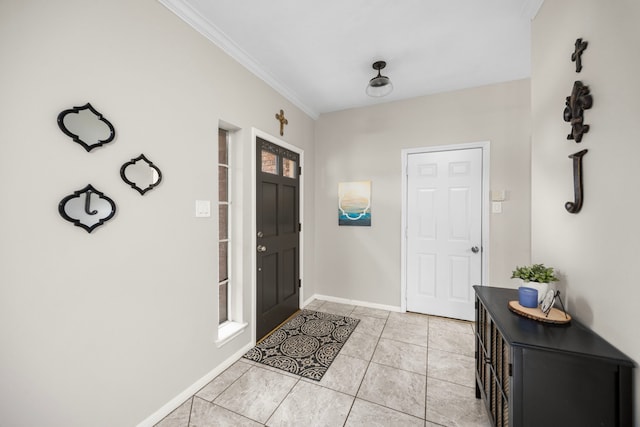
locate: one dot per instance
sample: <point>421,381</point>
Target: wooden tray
<point>555,315</point>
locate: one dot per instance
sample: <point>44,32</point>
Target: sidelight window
<point>223,226</point>
<point>230,315</point>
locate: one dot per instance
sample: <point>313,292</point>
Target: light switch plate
<point>496,207</point>
<point>203,208</point>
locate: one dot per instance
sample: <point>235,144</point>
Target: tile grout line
<point>360,385</point>
<point>221,407</point>
<point>226,388</point>
<point>369,362</point>
<point>218,376</point>
<point>191,410</point>
<point>353,402</point>
<point>282,401</point>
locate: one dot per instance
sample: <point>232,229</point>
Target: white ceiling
<point>318,54</point>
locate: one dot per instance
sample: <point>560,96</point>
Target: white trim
<point>228,331</point>
<point>486,155</point>
<point>174,403</point>
<point>198,22</point>
<point>308,301</point>
<point>255,133</point>
<point>356,302</point>
<point>530,8</point>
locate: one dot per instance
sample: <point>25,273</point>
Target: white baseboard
<point>174,403</point>
<point>355,302</point>
<point>308,301</point>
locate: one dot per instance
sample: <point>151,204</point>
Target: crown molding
<point>198,22</point>
<point>530,8</point>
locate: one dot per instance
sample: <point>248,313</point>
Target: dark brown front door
<point>277,221</point>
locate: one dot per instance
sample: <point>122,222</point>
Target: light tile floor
<point>396,369</point>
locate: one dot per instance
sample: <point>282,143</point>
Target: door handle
<point>261,248</point>
<point>475,249</point>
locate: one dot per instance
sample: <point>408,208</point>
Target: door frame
<point>485,146</point>
<point>255,134</point>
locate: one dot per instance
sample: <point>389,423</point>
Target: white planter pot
<point>542,288</point>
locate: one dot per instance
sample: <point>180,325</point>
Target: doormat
<point>306,344</point>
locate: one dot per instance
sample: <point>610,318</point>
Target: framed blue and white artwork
<point>354,203</point>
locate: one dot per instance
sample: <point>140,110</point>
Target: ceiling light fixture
<point>379,85</point>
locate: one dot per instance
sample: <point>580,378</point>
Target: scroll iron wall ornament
<point>85,211</point>
<point>579,100</point>
<point>575,206</point>
<point>86,126</point>
<point>143,173</point>
<point>283,121</point>
<point>576,56</point>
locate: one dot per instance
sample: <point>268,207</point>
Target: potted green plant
<point>535,276</point>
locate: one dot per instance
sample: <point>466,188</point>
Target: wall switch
<point>496,207</point>
<point>203,208</point>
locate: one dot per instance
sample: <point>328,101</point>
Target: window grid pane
<point>289,168</point>
<point>269,162</point>
<point>223,183</point>
<point>223,290</point>
<point>223,262</point>
<point>223,221</point>
<point>223,149</point>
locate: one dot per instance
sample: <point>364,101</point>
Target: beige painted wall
<point>596,250</point>
<point>103,329</point>
<point>362,263</point>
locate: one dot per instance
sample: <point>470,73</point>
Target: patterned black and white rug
<point>306,344</point>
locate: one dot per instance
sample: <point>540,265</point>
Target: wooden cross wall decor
<point>283,121</point>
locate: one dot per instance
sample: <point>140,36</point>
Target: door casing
<point>485,146</point>
<point>256,133</point>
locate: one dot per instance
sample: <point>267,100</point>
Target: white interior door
<point>444,232</point>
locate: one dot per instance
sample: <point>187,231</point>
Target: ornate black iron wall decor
<point>141,174</point>
<point>576,56</point>
<point>579,100</point>
<point>576,205</point>
<point>86,211</point>
<point>86,126</point>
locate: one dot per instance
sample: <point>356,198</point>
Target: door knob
<point>475,249</point>
<point>261,248</point>
<point>260,234</point>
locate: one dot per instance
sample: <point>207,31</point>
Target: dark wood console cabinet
<point>533,374</point>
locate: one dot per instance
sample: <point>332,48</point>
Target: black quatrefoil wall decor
<point>579,100</point>
<point>86,126</point>
<point>141,174</point>
<point>87,208</point>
